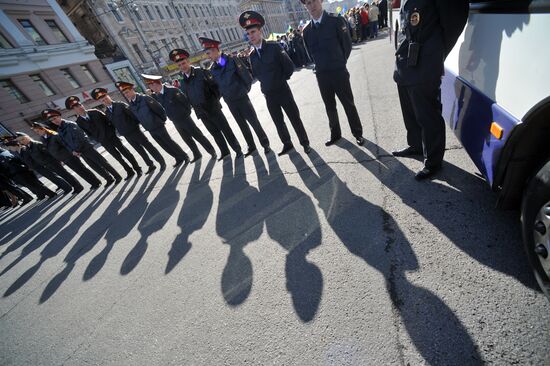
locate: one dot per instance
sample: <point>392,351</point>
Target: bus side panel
<point>470,113</point>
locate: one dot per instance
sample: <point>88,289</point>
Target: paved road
<point>336,258</point>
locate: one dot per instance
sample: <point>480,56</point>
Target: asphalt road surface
<point>335,258</point>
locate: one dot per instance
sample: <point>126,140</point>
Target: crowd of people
<point>365,20</point>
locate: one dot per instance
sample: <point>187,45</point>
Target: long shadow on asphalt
<point>370,233</point>
<point>450,210</point>
<point>194,212</point>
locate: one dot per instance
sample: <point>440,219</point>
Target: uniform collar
<point>318,21</point>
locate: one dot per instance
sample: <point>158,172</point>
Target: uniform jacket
<point>329,43</point>
<point>174,102</point>
<point>272,67</point>
<point>10,164</point>
<point>73,137</point>
<point>149,112</point>
<point>202,91</point>
<point>56,148</point>
<point>439,26</point>
<point>97,126</point>
<point>120,116</point>
<point>39,153</point>
<point>233,79</point>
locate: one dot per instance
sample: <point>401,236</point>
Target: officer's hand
<point>76,153</point>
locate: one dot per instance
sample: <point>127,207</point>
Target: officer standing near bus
<point>328,42</point>
<point>234,81</point>
<point>272,66</point>
<point>120,115</point>
<point>429,31</point>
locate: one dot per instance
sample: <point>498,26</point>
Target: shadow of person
<point>194,212</point>
<point>126,221</point>
<point>154,218</point>
<point>370,233</point>
<point>59,241</point>
<point>87,240</point>
<point>238,223</point>
<point>292,221</point>
<point>450,210</point>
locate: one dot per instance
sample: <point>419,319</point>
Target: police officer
<point>52,142</point>
<point>98,127</point>
<point>328,41</point>
<point>429,29</point>
<point>272,67</point>
<point>234,82</point>
<point>76,141</point>
<point>203,93</point>
<point>178,109</point>
<point>120,115</point>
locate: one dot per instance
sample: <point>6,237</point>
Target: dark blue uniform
<point>272,67</point>
<point>234,82</point>
<point>329,44</point>
<point>430,29</point>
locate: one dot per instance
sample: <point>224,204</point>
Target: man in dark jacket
<point>272,67</point>
<point>430,28</point>
<point>120,115</point>
<point>99,128</point>
<point>203,93</point>
<point>76,141</point>
<point>152,116</point>
<point>178,110</point>
<point>328,41</point>
<point>53,144</point>
<point>234,82</point>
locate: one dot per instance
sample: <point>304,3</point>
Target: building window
<point>175,43</point>
<point>169,12</point>
<point>4,43</point>
<point>195,12</point>
<point>42,84</point>
<point>159,12</point>
<point>137,13</point>
<point>31,31</point>
<point>202,11</point>
<point>165,45</point>
<point>178,13</point>
<point>139,53</point>
<point>56,31</point>
<point>70,78</point>
<point>88,73</point>
<point>219,38</point>
<point>148,12</point>
<point>186,11</point>
<point>114,9</point>
<point>14,91</point>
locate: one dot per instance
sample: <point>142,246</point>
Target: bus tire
<point>535,223</point>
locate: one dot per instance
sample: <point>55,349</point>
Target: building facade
<point>296,12</point>
<point>43,59</point>
<point>274,12</point>
<point>144,32</point>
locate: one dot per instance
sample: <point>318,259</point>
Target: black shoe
<point>94,187</point>
<point>426,172</point>
<point>78,190</point>
<point>109,182</point>
<point>286,150</point>
<point>239,155</point>
<point>251,150</point>
<point>118,179</point>
<point>360,140</point>
<point>51,195</point>
<point>139,172</point>
<point>129,174</point>
<point>196,158</point>
<point>332,141</point>
<point>213,155</point>
<point>40,198</point>
<point>307,149</point>
<point>223,156</point>
<point>151,169</point>
<point>267,150</point>
<point>162,167</point>
<point>25,201</point>
<point>181,161</point>
<point>409,151</point>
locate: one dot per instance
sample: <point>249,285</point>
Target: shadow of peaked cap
<point>49,113</point>
<point>123,85</point>
<point>178,54</point>
<point>99,93</point>
<point>209,43</point>
<point>40,125</point>
<point>151,78</point>
<point>71,101</point>
<point>251,18</point>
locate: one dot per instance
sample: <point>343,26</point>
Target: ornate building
<point>274,12</point>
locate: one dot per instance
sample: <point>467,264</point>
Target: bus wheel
<point>535,222</point>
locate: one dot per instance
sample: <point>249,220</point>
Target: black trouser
<point>162,137</point>
<point>421,108</point>
<point>63,173</point>
<point>99,164</point>
<point>140,143</point>
<point>217,125</point>
<point>7,185</point>
<point>52,176</point>
<point>189,132</point>
<point>243,111</point>
<point>336,83</point>
<point>27,179</point>
<point>283,99</point>
<point>76,165</point>
<point>115,147</point>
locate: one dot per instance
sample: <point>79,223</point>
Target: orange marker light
<point>496,130</point>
